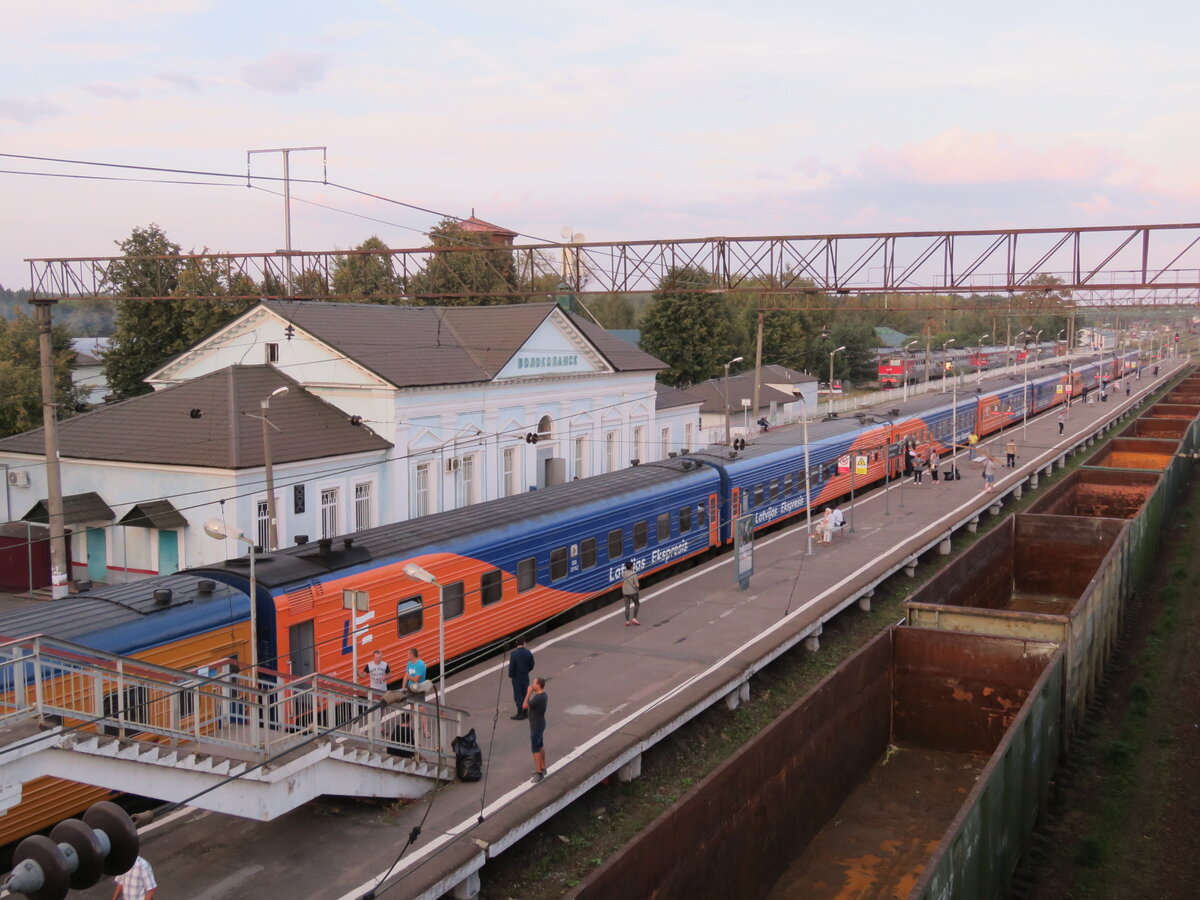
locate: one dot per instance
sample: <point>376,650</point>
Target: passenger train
<point>508,564</point>
<point>894,367</point>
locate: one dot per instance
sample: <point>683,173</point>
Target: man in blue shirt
<point>414,672</point>
<point>520,664</point>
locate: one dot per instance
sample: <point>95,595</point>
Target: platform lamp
<point>979,357</point>
<point>907,356</point>
<point>945,353</point>
<point>736,359</point>
<point>412,570</point>
<point>215,529</point>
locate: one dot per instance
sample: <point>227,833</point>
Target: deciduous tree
<point>467,264</point>
<point>687,326</point>
<point>20,373</point>
<point>366,275</point>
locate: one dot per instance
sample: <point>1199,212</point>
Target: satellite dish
<point>577,238</point>
<point>565,231</point>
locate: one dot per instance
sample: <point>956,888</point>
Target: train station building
<point>389,413</point>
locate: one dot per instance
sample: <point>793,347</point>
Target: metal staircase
<point>71,712</point>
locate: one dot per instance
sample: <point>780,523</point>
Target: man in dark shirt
<point>536,701</point>
<point>520,664</point>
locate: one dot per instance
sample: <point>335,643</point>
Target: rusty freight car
<point>952,736</point>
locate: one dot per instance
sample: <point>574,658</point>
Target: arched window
<point>545,428</point>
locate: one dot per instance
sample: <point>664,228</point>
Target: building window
<point>545,429</point>
<point>639,443</point>
<point>687,437</point>
<point>467,489</point>
<point>420,504</point>
<point>262,524</point>
<point>329,513</point>
<point>581,457</point>
<point>664,443</point>
<point>610,452</point>
<point>272,353</point>
<point>362,506</point>
<point>510,471</point>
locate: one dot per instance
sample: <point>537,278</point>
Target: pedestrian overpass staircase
<point>258,744</point>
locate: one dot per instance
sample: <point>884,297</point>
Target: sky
<point>619,120</point>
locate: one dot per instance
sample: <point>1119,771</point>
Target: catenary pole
<point>59,570</point>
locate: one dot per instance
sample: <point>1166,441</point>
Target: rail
<point>220,707</point>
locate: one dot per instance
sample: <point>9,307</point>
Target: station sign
<point>860,465</point>
<point>843,465</point>
<point>743,550</point>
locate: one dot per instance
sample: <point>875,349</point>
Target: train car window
<point>664,527</point>
<point>408,616</point>
<point>616,544</point>
<point>773,490</point>
<point>685,520</point>
<point>491,587</point>
<point>134,701</point>
<point>558,563</point>
<point>587,553</point>
<point>186,699</point>
<point>641,531</point>
<point>788,484</point>
<point>758,495</point>
<point>701,515</point>
<point>798,480</point>
<point>454,599</point>
<point>526,574</point>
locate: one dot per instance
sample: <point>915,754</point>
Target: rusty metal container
<point>955,735</point>
<point>1187,411</point>
<point>1057,578</point>
<point>1148,427</point>
<point>1135,453</point>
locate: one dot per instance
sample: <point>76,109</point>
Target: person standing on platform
<point>1062,420</point>
<point>536,702</point>
<point>918,467</point>
<point>414,672</point>
<point>378,671</point>
<point>631,593</point>
<point>1010,454</point>
<point>136,884</point>
<point>520,664</point>
<point>934,462</point>
<point>1128,388</point>
<point>989,472</point>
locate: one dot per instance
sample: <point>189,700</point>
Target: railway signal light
<point>75,855</point>
<point>530,437</point>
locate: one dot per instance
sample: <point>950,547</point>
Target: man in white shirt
<point>378,671</point>
<point>136,884</point>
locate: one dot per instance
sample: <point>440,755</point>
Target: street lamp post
<point>832,353</point>
<point>736,359</point>
<point>945,344</point>
<point>412,570</point>
<point>907,357</point>
<point>272,523</point>
<point>215,529</point>
<point>807,484</point>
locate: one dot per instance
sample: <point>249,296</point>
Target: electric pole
<point>287,197</point>
<point>59,570</point>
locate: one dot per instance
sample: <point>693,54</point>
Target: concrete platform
<point>614,692</point>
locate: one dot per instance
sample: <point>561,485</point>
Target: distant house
<point>495,234</point>
<point>87,369</point>
<point>783,395</point>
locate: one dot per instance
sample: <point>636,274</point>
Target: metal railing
<point>217,706</point>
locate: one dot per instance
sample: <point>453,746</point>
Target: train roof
<point>309,561</point>
<point>126,618</point>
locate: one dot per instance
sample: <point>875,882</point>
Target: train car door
<point>303,648</point>
<point>714,521</point>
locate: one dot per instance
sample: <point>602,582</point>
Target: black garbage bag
<point>468,758</point>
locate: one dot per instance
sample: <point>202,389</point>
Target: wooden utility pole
<point>60,572</point>
<point>928,352</point>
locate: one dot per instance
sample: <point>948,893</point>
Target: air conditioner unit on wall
<point>453,463</point>
<point>18,478</point>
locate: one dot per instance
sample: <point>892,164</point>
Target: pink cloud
<point>956,156</point>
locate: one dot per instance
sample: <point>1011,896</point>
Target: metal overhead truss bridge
<point>1134,266</point>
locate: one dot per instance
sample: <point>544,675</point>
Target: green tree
<point>20,373</point>
<point>366,275</point>
<point>613,310</point>
<point>167,306</point>
<point>464,263</point>
<point>688,326</point>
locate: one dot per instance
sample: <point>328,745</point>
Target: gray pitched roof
<point>422,346</point>
<point>667,397</point>
<point>160,428</point>
<point>740,387</point>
